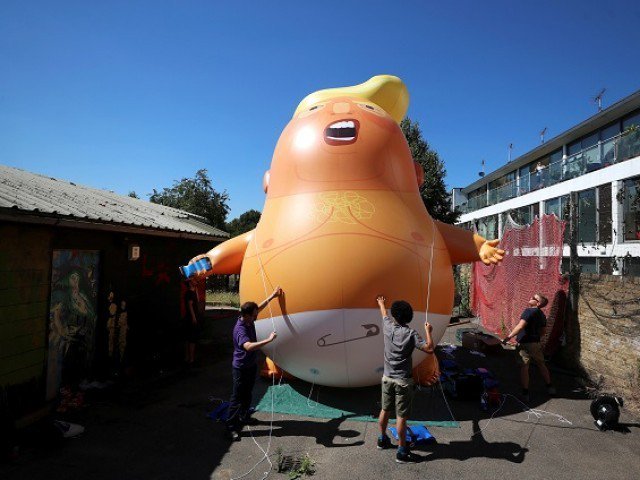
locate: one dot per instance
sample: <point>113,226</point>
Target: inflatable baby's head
<point>346,138</point>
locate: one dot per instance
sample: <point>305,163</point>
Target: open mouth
<point>342,133</point>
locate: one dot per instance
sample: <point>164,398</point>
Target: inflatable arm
<point>227,257</point>
<point>465,246</point>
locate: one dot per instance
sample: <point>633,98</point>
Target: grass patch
<point>224,299</point>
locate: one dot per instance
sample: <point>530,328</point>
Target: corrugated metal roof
<point>30,192</point>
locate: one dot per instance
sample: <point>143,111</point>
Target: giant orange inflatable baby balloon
<point>343,222</point>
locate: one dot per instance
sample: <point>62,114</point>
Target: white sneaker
<point>67,429</point>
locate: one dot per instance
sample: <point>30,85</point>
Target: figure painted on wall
<point>123,328</point>
<point>111,322</point>
<point>72,317</point>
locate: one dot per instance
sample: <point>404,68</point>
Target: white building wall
<point>614,174</point>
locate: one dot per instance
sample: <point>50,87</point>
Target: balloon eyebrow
<point>313,108</point>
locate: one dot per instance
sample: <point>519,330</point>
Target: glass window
<point>590,140</point>
<point>605,266</point>
<point>631,209</point>
<point>629,143</point>
<point>488,227</point>
<point>498,182</point>
<point>552,207</point>
<point>574,147</point>
<point>607,135</point>
<point>555,156</point>
<point>522,215</point>
<point>631,266</point>
<point>587,265</point>
<point>587,216</point>
<point>524,180</point>
<point>477,192</point>
<point>604,213</point>
<point>591,152</point>
<point>633,119</point>
<point>555,167</point>
<point>609,132</point>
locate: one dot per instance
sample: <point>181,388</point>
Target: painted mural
<point>72,317</point>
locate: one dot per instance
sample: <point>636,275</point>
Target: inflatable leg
<point>270,369</point>
<point>427,372</point>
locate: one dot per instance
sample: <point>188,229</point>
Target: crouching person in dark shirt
<point>528,332</point>
<point>397,382</point>
<point>245,347</point>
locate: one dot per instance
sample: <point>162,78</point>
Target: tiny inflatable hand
<point>490,253</point>
<point>272,336</point>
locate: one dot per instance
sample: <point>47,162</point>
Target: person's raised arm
<point>428,346</point>
<point>277,292</point>
<point>383,309</point>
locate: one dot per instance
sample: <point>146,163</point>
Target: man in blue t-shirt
<point>397,381</point>
<point>245,347</point>
<point>528,333</point>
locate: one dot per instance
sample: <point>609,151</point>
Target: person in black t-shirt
<point>192,321</point>
<point>528,333</point>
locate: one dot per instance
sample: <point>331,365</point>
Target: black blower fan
<point>606,411</point>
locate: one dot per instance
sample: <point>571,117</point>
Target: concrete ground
<point>158,429</point>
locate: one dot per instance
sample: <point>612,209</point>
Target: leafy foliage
<point>133,194</point>
<point>244,223</point>
<point>196,195</point>
<point>433,190</point>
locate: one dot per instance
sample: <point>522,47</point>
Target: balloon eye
<point>315,107</point>
<point>369,107</point>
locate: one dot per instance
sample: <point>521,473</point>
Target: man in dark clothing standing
<point>192,321</point>
<point>528,333</point>
<point>397,382</point>
<point>245,346</point>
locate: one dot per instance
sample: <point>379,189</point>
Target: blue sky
<point>132,95</point>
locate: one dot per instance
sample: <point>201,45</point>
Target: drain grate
<point>288,463</point>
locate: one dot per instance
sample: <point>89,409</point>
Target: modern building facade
<point>599,160</point>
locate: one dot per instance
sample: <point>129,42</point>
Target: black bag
<point>469,386</point>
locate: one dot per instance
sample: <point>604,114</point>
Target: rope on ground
<point>536,413</point>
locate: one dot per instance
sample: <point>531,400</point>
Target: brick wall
<point>609,333</point>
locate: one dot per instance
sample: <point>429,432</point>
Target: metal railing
<point>615,150</point>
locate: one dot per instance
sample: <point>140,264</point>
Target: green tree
<point>433,190</point>
<point>133,194</point>
<point>244,223</point>
<point>196,195</point>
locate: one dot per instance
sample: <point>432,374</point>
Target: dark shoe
<point>384,442</point>
<point>405,457</point>
<point>232,435</point>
